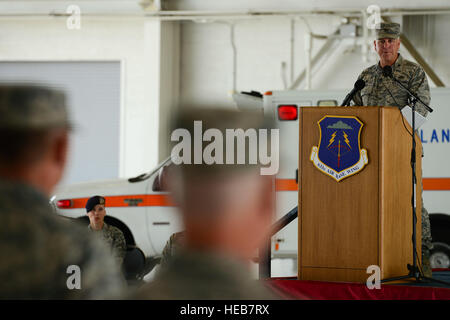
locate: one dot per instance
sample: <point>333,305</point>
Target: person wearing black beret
<point>95,209</point>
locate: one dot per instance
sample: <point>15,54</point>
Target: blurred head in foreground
<point>228,205</point>
<point>34,130</point>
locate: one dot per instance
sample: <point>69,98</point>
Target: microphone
<point>359,84</point>
<point>387,71</point>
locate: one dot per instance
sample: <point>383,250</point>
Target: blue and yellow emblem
<point>339,153</point>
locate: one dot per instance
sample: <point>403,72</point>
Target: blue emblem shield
<point>339,153</point>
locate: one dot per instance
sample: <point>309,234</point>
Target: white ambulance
<point>140,207</point>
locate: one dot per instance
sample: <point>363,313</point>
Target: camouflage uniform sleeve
<point>171,245</point>
<point>167,251</point>
<point>120,246</point>
<point>357,99</point>
<point>419,86</point>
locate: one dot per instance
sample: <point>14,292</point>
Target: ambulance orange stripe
<point>286,185</point>
<point>436,183</point>
<point>147,200</point>
<point>161,200</point>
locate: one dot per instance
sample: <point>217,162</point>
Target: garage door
<point>93,90</point>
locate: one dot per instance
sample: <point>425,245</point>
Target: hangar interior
<point>159,55</point>
<point>129,65</point>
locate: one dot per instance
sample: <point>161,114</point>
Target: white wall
<point>262,46</point>
<point>441,48</point>
<point>135,43</point>
<point>169,82</point>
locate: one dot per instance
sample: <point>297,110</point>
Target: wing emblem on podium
<point>339,153</point>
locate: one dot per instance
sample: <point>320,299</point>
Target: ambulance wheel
<point>440,256</point>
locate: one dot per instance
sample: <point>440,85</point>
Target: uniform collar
<point>397,63</point>
<point>395,66</point>
<point>104,228</point>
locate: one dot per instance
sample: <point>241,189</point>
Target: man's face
<point>387,50</point>
<point>97,214</point>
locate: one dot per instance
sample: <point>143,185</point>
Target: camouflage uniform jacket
<point>37,247</point>
<point>194,275</point>
<point>382,91</point>
<point>115,240</point>
<point>174,244</point>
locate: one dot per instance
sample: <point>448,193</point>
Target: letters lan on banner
<point>339,152</point>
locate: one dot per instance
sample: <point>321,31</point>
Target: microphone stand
<point>413,269</point>
<point>412,97</point>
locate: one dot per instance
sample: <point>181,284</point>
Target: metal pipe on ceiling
<point>232,15</point>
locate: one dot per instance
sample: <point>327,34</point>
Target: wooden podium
<point>364,219</point>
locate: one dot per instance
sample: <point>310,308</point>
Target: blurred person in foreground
<point>36,247</point>
<point>227,210</point>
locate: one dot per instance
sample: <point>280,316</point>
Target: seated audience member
<point>113,237</point>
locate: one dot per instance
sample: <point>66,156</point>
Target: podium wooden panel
<point>365,219</point>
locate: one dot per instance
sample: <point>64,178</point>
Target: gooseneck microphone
<point>359,84</point>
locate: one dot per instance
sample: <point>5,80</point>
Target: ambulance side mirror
<point>160,183</point>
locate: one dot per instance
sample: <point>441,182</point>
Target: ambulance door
<point>435,136</point>
<point>284,243</point>
<point>163,218</point>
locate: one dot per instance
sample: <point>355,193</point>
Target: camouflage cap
<point>387,30</point>
<point>28,106</point>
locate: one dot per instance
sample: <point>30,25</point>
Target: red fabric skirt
<point>318,290</point>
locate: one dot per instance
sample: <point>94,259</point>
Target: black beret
<point>93,201</point>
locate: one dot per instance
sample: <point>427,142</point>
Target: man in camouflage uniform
<point>113,237</point>
<point>227,211</point>
<point>382,91</point>
<point>37,247</point>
